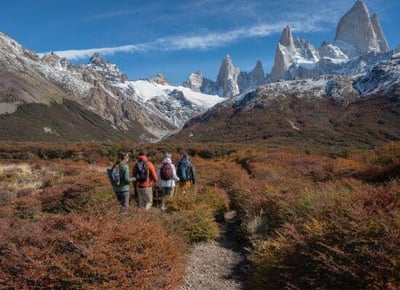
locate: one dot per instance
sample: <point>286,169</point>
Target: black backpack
<point>141,172</point>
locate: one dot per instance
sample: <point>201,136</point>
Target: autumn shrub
<point>235,181</point>
<point>28,207</point>
<point>261,212</point>
<point>217,199</point>
<point>88,252</point>
<point>352,243</point>
<point>64,198</point>
<point>199,224</point>
<point>193,218</point>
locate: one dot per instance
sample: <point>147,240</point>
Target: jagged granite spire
<point>359,29</point>
<point>258,74</point>
<point>382,41</point>
<point>228,77</point>
<point>287,39</point>
<point>108,70</point>
<point>97,59</point>
<point>283,54</point>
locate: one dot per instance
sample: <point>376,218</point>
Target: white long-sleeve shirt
<point>167,183</point>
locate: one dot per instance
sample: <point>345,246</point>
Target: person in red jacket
<point>146,176</point>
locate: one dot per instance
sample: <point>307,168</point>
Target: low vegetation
<point>310,220</point>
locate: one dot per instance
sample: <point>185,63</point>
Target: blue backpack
<point>183,170</point>
<point>113,175</point>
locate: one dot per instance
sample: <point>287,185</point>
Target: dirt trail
<point>217,264</point>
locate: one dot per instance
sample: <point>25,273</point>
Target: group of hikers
<point>147,180</point>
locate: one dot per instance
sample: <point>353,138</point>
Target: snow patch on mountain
<point>382,80</point>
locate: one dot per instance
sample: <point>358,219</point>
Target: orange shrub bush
<point>192,217</point>
<point>74,251</point>
<point>351,244</point>
<point>216,198</point>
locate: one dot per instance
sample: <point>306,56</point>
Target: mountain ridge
<point>360,111</point>
<point>148,110</point>
<point>151,108</point>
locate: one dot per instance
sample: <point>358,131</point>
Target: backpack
<point>141,171</point>
<point>113,175</point>
<point>183,171</point>
<point>166,171</point>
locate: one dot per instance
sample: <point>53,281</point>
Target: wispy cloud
<point>148,8</point>
<point>75,54</point>
<point>191,42</point>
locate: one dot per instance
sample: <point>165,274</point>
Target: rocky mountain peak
<point>358,28</point>
<point>357,35</point>
<point>96,59</point>
<point>194,81</point>
<point>55,61</point>
<point>10,47</point>
<point>382,41</point>
<point>109,71</point>
<point>258,73</point>
<point>160,79</point>
<point>287,39</point>
<point>283,55</point>
<point>228,77</point>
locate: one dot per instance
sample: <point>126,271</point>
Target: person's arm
<point>158,181</point>
<point>152,172</point>
<point>126,177</point>
<point>174,176</point>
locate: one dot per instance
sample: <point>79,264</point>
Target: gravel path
<point>216,264</point>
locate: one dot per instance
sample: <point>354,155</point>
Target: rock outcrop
<point>358,28</point>
<point>198,83</point>
<point>227,79</point>
<point>359,44</point>
<point>284,52</point>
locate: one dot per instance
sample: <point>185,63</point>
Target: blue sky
<point>178,37</point>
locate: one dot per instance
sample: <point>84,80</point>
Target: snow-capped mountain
<point>230,80</point>
<point>361,30</point>
<point>359,44</point>
<point>153,107</point>
<point>330,110</point>
<point>382,80</point>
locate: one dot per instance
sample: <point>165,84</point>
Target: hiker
<point>186,173</point>
<point>122,189</point>
<point>166,174</point>
<point>145,175</point>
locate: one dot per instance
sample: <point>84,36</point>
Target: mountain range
<point>334,93</point>
<point>331,111</point>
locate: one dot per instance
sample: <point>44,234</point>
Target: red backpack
<point>166,171</point>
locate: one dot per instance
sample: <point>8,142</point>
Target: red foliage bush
<point>89,252</point>
<point>349,245</point>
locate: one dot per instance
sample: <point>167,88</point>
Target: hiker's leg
<point>164,196</point>
<point>148,197</point>
<point>124,199</point>
<point>167,193</point>
<point>140,192</point>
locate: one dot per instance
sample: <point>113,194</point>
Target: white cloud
<point>195,42</point>
<point>75,54</point>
